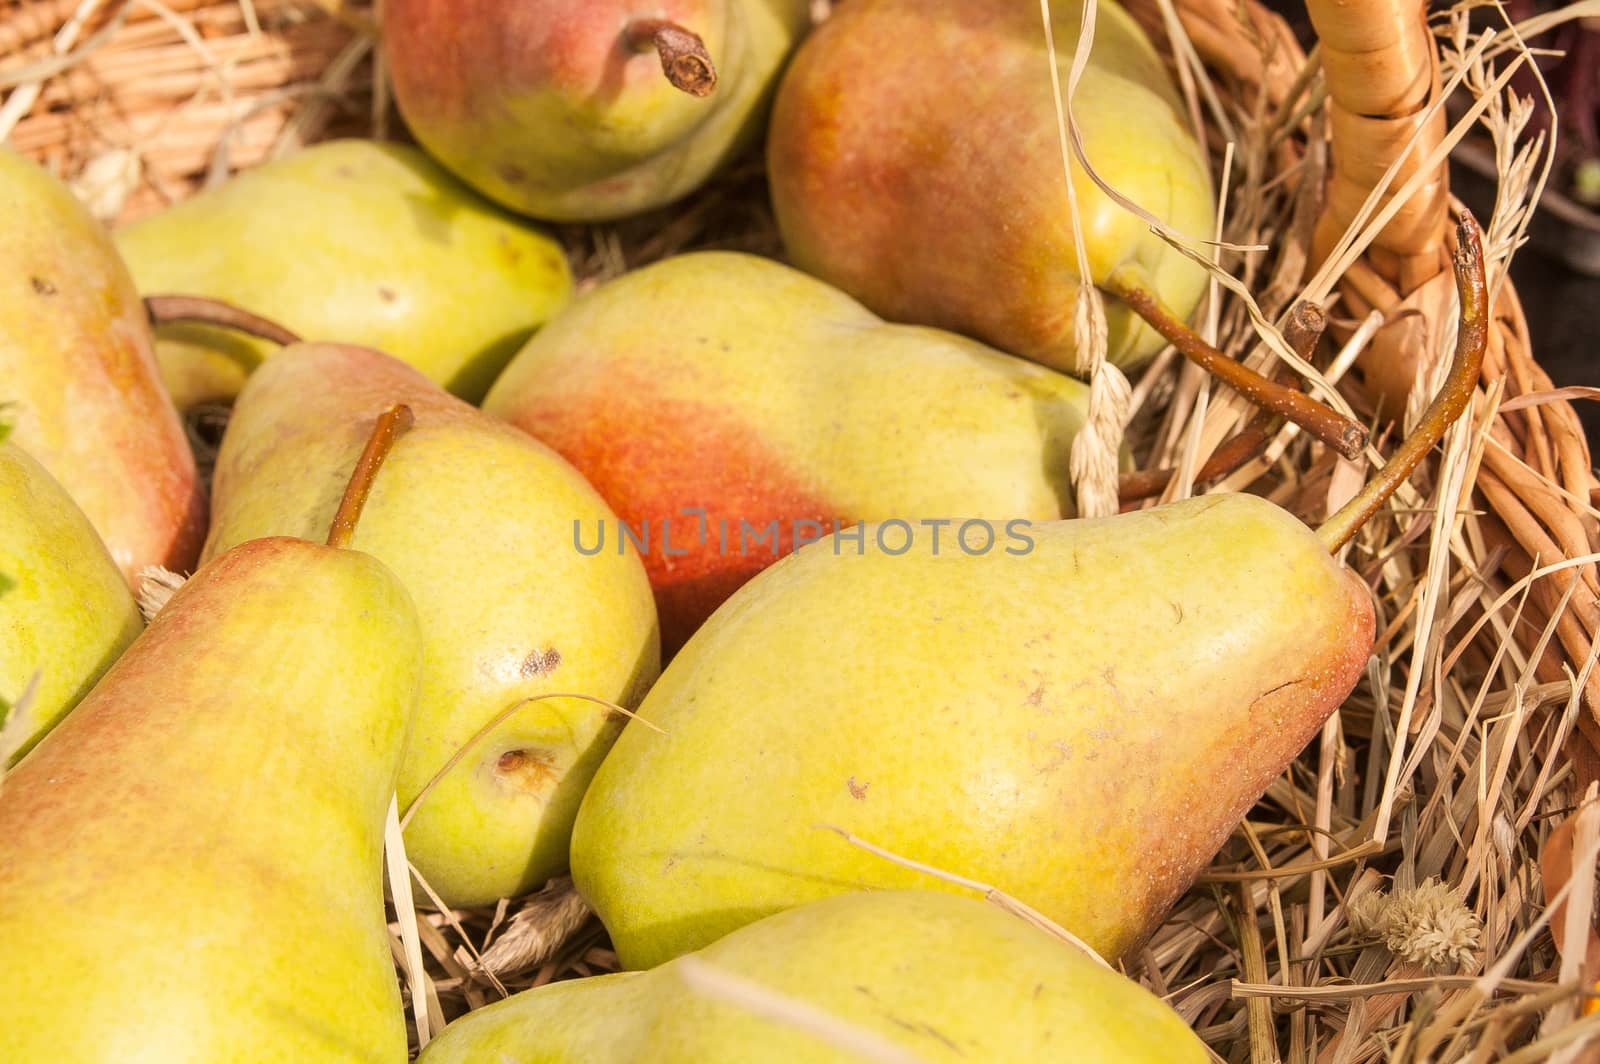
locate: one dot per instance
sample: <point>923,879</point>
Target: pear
<point>190,863</point>
<point>559,108</point>
<point>477,519</point>
<point>939,977</point>
<point>1079,720</point>
<point>947,206</point>
<point>729,407</point>
<point>78,369</point>
<point>407,259</point>
<point>66,612</point>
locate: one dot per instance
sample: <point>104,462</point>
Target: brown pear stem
<point>1301,332</point>
<point>1332,428</point>
<point>1307,320</point>
<point>1235,452</point>
<point>391,425</point>
<point>684,59</point>
<point>166,310</point>
<point>1472,339</point>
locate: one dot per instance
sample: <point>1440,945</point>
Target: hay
<point>1401,891</point>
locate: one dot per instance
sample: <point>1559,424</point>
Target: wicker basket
<point>1467,756</point>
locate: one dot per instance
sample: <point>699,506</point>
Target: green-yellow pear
<point>730,406</point>
<point>66,611</point>
<point>559,108</point>
<point>476,518</point>
<point>916,163</point>
<point>1078,719</point>
<point>1078,716</point>
<point>938,977</point>
<point>190,863</point>
<point>78,369</point>
<point>353,241</point>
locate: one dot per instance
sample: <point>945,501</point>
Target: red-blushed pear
<point>775,406</point>
<point>879,975</point>
<point>76,360</point>
<point>916,163</point>
<point>584,110</point>
<point>948,206</point>
<point>190,863</point>
<point>477,518</point>
<point>65,610</point>
<point>1080,725</point>
<point>407,259</point>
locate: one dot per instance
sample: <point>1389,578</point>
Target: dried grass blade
<point>394,855</point>
<point>770,1004</point>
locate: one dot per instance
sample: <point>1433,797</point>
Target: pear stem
<point>1301,332</point>
<point>1472,340</point>
<point>1334,429</point>
<point>166,310</point>
<point>1305,326</point>
<point>684,59</point>
<point>391,425</point>
<point>1250,441</point>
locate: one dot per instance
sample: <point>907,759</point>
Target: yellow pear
<point>65,610</point>
<point>476,517</point>
<point>715,396</point>
<point>559,108</point>
<point>190,863</point>
<point>78,376</point>
<point>934,976</point>
<point>1078,715</point>
<point>353,241</point>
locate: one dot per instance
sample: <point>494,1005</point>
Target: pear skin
<point>407,260</point>
<point>915,161</point>
<point>477,519</point>
<point>543,106</point>
<point>77,365</point>
<point>945,978</point>
<point>190,863</point>
<point>731,407</point>
<point>67,612</point>
<point>1079,723</point>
